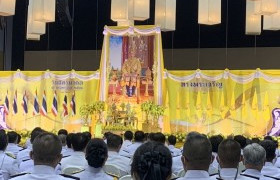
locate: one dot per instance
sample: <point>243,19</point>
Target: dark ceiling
<point>92,15</point>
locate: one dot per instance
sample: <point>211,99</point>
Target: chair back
<point>114,170</point>
<point>72,170</point>
<point>126,177</point>
<point>181,173</point>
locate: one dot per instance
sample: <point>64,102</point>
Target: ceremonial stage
<point>132,90</point>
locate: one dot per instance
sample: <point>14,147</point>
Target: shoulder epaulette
<point>213,174</point>
<point>177,155</point>
<point>78,171</point>
<point>113,175</point>
<point>66,156</point>
<point>249,176</point>
<point>219,178</point>
<point>22,149</point>
<point>17,175</point>
<point>10,155</point>
<point>69,176</point>
<point>271,177</point>
<point>26,160</point>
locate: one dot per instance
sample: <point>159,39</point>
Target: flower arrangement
<point>150,108</point>
<point>90,109</point>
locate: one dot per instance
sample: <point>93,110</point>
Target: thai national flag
<point>73,104</point>
<point>6,105</point>
<point>65,109</point>
<point>24,103</point>
<point>44,109</point>
<point>54,105</point>
<point>15,109</point>
<point>36,105</point>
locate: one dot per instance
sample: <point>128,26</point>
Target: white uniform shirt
<point>28,165</point>
<point>270,170</point>
<point>119,161</point>
<point>77,159</point>
<point>66,151</point>
<point>23,155</point>
<point>255,173</point>
<point>130,150</point>
<point>7,166</point>
<point>124,145</point>
<point>93,173</point>
<point>177,165</point>
<point>41,172</point>
<point>230,174</point>
<point>174,151</point>
<point>196,174</point>
<point>13,149</point>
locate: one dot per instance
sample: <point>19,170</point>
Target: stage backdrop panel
<point>236,101</point>
<point>29,98</point>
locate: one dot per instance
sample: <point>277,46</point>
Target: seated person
<point>215,141</point>
<point>65,151</point>
<point>96,156</point>
<point>62,131</point>
<point>159,137</point>
<point>77,158</point>
<point>151,161</point>
<point>171,142</point>
<point>139,137</point>
<point>114,143</point>
<point>128,136</point>
<point>254,159</point>
<point>197,157</point>
<point>269,169</point>
<point>12,147</point>
<point>46,154</point>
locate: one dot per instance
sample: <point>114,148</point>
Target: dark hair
<point>172,140</point>
<point>46,148</point>
<point>79,141</point>
<point>198,151</point>
<point>69,140</point>
<point>128,135</point>
<point>106,134</point>
<point>3,141</point>
<point>96,153</point>
<point>12,137</point>
<point>270,148</point>
<point>215,141</point>
<point>36,132</point>
<point>229,153</point>
<point>62,131</point>
<point>88,135</point>
<point>114,142</point>
<point>139,136</point>
<point>241,140</point>
<point>159,137</point>
<point>256,140</point>
<point>151,161</point>
<point>19,138</point>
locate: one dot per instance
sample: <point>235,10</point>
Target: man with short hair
<point>229,156</point>
<point>6,161</point>
<point>242,141</point>
<point>62,131</point>
<point>128,136</point>
<point>159,137</point>
<point>254,158</point>
<point>77,158</point>
<point>269,169</point>
<point>114,143</point>
<point>46,154</point>
<point>197,157</point>
<point>12,147</point>
<point>65,151</point>
<point>139,137</point>
<point>171,142</point>
<point>215,141</point>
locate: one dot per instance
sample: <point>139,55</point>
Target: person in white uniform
<point>139,137</point>
<point>151,161</point>
<point>24,154</point>
<point>254,158</point>
<point>171,142</point>
<point>65,150</point>
<point>96,156</point>
<point>6,162</point>
<point>77,159</point>
<point>114,143</point>
<point>229,156</point>
<point>197,157</point>
<point>269,169</point>
<point>46,154</point>
<point>215,141</point>
<point>12,147</point>
<point>128,136</point>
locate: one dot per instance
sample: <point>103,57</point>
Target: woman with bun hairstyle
<point>152,161</point>
<point>96,156</point>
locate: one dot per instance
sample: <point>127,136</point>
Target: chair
<point>113,170</point>
<point>173,176</point>
<point>181,173</point>
<point>126,177</point>
<point>71,170</point>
